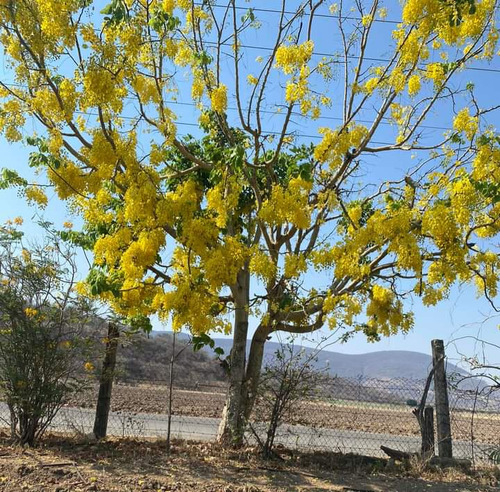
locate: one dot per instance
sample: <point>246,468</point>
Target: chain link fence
<point>349,415</point>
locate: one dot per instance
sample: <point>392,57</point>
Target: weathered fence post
<point>443,425</point>
<point>170,391</point>
<point>106,382</point>
<point>428,433</point>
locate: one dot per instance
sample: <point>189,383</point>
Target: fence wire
<point>349,415</point>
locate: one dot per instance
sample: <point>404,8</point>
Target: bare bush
<point>289,378</point>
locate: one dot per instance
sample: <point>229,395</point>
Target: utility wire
<point>306,14</point>
<point>264,111</point>
<point>319,53</point>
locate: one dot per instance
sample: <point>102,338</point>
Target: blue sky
<point>461,316</point>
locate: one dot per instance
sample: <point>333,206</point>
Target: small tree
<point>290,377</point>
<point>40,324</point>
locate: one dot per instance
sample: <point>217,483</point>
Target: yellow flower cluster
<point>436,73</point>
<point>439,222</point>
<point>218,98</point>
<point>35,195</point>
<point>385,312</point>
<point>191,303</point>
<point>252,79</point>
<point>453,22</point>
<point>198,85</point>
<point>336,144</point>
<point>200,234</point>
<point>464,199</point>
<point>488,263</point>
<point>293,57</point>
<point>298,87</point>
<point>342,309</point>
<point>465,123</point>
<point>232,254</point>
<point>288,205</point>
<point>109,249</point>
<point>168,6</point>
<point>11,119</point>
<point>223,199</point>
<point>262,265</point>
<point>146,89</point>
<point>30,312</point>
<point>294,265</point>
<point>102,88</point>
<point>414,85</point>
<point>142,253</point>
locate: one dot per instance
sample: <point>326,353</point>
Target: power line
<point>264,111</point>
<point>320,53</point>
<point>351,57</point>
<point>306,14</point>
<point>265,132</point>
<point>328,118</point>
<point>323,54</point>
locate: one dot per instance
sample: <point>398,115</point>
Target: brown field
<point>356,416</point>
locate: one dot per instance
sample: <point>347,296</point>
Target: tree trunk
<point>232,426</point>
<point>106,382</point>
<point>254,368</point>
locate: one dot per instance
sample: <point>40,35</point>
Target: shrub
<point>289,378</point>
<point>41,350</point>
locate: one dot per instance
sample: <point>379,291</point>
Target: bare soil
<point>208,401</point>
<point>63,464</point>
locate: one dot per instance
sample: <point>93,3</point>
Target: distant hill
<point>142,357</point>
<point>387,364</point>
<point>147,358</point>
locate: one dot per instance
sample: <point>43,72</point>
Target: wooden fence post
<point>443,425</point>
<point>170,391</point>
<point>428,433</point>
<point>106,382</point>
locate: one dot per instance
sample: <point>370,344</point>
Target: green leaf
<point>9,178</point>
<point>115,12</point>
<point>139,323</point>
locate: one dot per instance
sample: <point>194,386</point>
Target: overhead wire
<point>269,112</point>
<point>324,54</point>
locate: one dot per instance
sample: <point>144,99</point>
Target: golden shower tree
<point>251,218</point>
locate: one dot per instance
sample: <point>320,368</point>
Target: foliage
<point>41,347</point>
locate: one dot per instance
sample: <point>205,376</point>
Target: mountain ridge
<point>383,364</point>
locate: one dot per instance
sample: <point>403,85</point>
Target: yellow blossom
<point>465,123</point>
<point>218,97</point>
<point>414,85</point>
<point>294,57</point>
<point>252,80</point>
<point>34,194</point>
<point>30,312</point>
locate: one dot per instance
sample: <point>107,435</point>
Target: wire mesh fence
<point>348,415</point>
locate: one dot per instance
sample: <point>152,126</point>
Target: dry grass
<point>63,464</point>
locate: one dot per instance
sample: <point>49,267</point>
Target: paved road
<point>296,436</point>
<point>204,428</point>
